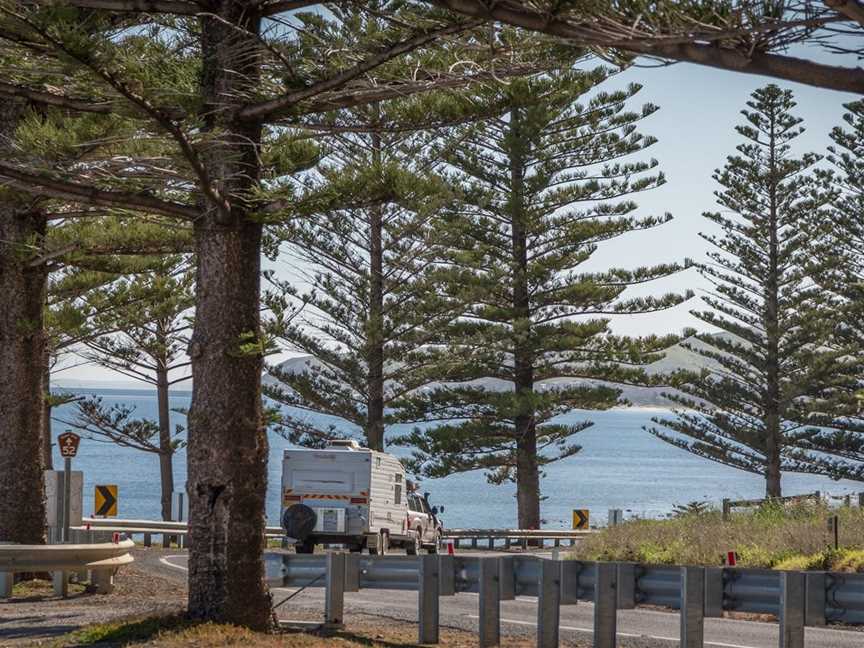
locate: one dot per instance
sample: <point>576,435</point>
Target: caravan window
<point>397,494</point>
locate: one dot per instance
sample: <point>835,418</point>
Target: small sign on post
<point>105,501</point>
<point>68,444</point>
<point>581,519</point>
<point>834,529</point>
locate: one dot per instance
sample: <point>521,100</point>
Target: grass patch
<point>38,588</point>
<point>774,536</point>
<point>178,632</point>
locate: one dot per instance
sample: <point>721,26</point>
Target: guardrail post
<point>352,572</point>
<point>61,583</point>
<point>428,600</point>
<point>814,606</point>
<point>334,597</point>
<point>506,579</point>
<point>792,610</point>
<point>692,607</point>
<point>548,603</point>
<point>446,575</point>
<point>713,592</point>
<point>7,581</point>
<point>490,603</point>
<point>605,608</point>
<point>727,508</point>
<point>148,540</point>
<point>103,579</point>
<point>625,586</point>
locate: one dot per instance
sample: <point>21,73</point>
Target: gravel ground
<point>36,617</point>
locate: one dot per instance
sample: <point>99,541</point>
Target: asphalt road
<point>649,628</point>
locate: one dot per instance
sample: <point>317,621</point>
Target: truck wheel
<point>433,548</point>
<point>412,547</point>
<point>382,545</point>
<point>305,547</point>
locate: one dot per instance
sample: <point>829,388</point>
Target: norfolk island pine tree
<point>544,183</point>
<point>774,361</point>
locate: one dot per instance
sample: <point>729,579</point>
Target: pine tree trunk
<point>772,422</point>
<point>527,470</point>
<point>22,344</point>
<point>227,451</point>
<point>166,452</point>
<point>375,324</point>
<point>47,438</point>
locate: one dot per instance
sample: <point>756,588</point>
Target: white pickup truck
<point>348,495</point>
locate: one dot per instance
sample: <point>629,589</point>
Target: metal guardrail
<point>514,537</point>
<point>798,599</point>
<point>102,560</point>
<point>494,537</point>
<point>729,504</point>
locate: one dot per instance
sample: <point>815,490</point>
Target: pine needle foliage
<point>544,184</point>
<point>771,362</point>
<point>838,268</point>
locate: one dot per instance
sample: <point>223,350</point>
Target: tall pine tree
<point>770,363</point>
<point>544,184</point>
<point>838,268</point>
<point>368,254</point>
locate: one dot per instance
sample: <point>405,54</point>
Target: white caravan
<point>345,494</point>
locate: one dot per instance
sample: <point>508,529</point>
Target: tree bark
<point>22,344</point>
<point>527,470</point>
<point>166,451</point>
<point>375,324</point>
<point>47,438</point>
<point>227,451</point>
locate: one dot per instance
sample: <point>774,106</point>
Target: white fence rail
<point>101,560</point>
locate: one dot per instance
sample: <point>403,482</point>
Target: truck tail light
<point>292,498</point>
<point>359,500</point>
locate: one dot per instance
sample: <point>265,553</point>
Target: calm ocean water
<point>620,466</point>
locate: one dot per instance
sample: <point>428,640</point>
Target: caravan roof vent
<point>346,444</point>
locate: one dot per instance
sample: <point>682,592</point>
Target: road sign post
<point>68,444</point>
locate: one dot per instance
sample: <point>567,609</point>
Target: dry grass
<point>177,632</point>
<point>792,537</point>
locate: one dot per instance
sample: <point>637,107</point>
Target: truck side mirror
<point>434,510</point>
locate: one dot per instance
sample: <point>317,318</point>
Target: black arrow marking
<point>108,501</point>
<point>583,519</point>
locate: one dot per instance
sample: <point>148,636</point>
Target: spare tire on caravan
<point>348,495</point>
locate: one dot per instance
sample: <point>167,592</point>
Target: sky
<point>699,108</point>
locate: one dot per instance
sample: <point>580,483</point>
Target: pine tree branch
<point>278,6</point>
<point>43,185</point>
<point>274,108</point>
<point>852,9</point>
<point>176,7</point>
<point>164,118</point>
<point>50,99</point>
<point>779,66</point>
